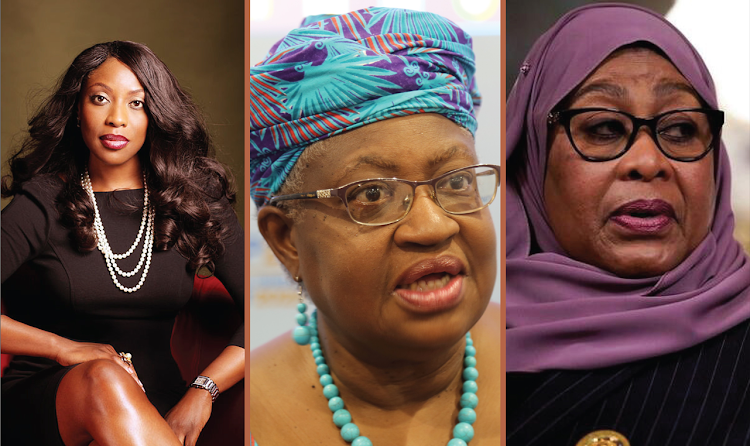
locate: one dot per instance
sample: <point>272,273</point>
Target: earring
<point>301,333</point>
<point>78,121</point>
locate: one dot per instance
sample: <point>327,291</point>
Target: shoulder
<point>488,341</point>
<point>280,392</point>
<point>487,337</point>
<point>37,195</point>
<point>272,361</point>
<point>491,320</point>
<point>44,188</point>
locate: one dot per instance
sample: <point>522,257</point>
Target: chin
<point>639,262</point>
<point>437,332</point>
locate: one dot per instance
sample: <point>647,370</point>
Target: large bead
<point>335,403</point>
<point>467,415</point>
<point>469,400</point>
<point>361,441</point>
<point>464,431</point>
<point>470,373</point>
<point>301,318</point>
<point>457,442</point>
<point>330,391</point>
<point>301,335</point>
<point>326,379</point>
<point>349,432</point>
<point>470,386</point>
<point>341,417</point>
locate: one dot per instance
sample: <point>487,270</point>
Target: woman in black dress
<point>119,152</point>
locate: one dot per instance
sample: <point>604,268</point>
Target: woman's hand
<point>72,352</point>
<point>188,417</point>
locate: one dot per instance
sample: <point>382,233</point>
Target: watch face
<point>200,381</point>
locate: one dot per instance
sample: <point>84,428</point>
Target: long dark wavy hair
<point>191,192</point>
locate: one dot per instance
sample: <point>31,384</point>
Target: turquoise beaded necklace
<point>462,433</point>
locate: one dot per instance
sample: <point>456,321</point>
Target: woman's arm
<point>21,339</point>
<point>192,412</point>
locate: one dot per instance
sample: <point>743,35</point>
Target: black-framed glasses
<point>382,201</point>
<point>603,134</point>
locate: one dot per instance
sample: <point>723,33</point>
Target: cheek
<point>573,191</point>
<point>340,257</point>
<point>699,189</point>
<point>142,121</point>
<point>482,250</point>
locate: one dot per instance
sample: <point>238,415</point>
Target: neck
<point>105,178</point>
<point>390,378</point>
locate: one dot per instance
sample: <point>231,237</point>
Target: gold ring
<point>126,357</point>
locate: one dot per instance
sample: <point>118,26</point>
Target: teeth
<point>421,285</point>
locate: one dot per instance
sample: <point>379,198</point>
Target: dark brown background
<point>202,43</point>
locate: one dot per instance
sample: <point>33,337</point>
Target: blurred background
<point>719,30</point>
<point>272,293</point>
<point>202,43</point>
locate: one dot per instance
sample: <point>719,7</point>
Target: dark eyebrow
<point>370,160</point>
<point>99,84</point>
<point>107,87</point>
<point>668,87</point>
<point>600,87</point>
<point>446,155</point>
<point>390,167</point>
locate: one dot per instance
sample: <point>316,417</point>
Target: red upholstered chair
<point>201,331</point>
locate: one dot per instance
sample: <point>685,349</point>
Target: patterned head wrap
<point>347,71</point>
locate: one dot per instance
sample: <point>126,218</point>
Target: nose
<point>427,224</point>
<point>644,161</point>
<point>117,116</point>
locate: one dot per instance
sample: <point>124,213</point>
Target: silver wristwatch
<point>206,383</point>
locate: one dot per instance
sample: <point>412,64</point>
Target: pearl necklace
<point>147,223</point>
<point>462,433</point>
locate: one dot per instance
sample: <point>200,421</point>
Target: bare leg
<point>99,404</point>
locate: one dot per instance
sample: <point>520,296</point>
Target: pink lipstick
<point>431,285</point>
<point>114,142</point>
<point>645,217</point>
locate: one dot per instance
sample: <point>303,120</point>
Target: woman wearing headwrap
<point>370,194</point>
<point>627,297</point>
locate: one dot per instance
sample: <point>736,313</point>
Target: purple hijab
<point>565,314</point>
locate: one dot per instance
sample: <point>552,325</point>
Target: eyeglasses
<point>602,134</point>
<point>382,201</point>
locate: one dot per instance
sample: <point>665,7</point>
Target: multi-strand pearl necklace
<point>463,432</point>
<point>147,224</point>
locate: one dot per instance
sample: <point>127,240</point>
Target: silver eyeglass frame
<point>340,192</point>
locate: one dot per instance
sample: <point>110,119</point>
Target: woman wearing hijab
<point>628,298</point>
<point>370,194</point>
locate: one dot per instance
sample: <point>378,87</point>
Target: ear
<point>278,230</point>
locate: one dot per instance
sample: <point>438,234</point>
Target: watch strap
<point>206,383</point>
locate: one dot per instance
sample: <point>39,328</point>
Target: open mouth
<point>432,285</point>
<point>644,216</point>
<point>429,282</point>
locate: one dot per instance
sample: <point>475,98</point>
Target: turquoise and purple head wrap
<point>346,71</point>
